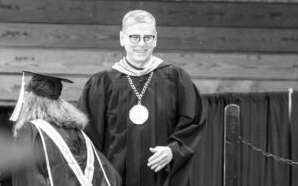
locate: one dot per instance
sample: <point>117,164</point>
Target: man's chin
<point>141,59</point>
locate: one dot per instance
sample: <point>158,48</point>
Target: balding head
<point>137,16</point>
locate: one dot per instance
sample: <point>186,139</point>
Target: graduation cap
<point>43,85</point>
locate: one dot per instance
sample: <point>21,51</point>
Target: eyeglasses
<point>135,39</point>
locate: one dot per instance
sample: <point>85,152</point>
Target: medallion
<point>138,114</point>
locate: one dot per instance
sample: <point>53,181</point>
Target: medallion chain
<point>139,95</point>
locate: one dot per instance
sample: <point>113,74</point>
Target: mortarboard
<point>43,85</point>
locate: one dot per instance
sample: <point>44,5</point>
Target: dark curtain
<point>264,122</point>
<point>5,124</point>
<point>294,138</point>
<point>207,161</point>
<point>5,129</point>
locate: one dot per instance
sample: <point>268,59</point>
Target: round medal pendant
<point>138,114</point>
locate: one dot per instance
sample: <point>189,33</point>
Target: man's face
<point>139,40</point>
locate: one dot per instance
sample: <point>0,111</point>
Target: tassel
<point>18,108</point>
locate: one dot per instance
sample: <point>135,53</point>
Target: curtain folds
<point>265,124</point>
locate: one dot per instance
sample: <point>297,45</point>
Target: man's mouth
<point>140,51</point>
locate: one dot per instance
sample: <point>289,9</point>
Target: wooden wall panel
<point>239,46</point>
<point>179,13</point>
<point>59,36</point>
<point>10,85</point>
<point>243,86</point>
<point>177,39</point>
<point>200,65</point>
<point>56,61</point>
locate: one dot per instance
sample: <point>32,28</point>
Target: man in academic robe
<point>145,113</point>
<point>58,151</point>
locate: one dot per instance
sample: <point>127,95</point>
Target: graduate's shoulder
<point>26,130</point>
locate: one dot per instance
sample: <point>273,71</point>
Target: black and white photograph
<point>148,92</point>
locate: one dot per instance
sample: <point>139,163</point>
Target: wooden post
<point>231,145</point>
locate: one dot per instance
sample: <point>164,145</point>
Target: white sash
<point>85,178</point>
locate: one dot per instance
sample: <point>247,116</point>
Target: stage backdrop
<point>265,125</point>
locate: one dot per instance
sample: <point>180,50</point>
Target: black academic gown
<point>175,109</point>
<point>34,171</point>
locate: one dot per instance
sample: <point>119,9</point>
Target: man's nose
<point>141,42</point>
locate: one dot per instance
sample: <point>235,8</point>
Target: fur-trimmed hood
<point>58,112</point>
<point>71,117</point>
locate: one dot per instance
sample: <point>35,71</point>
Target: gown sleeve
<point>112,174</point>
<point>92,103</point>
<point>31,170</point>
<point>188,129</point>
<point>27,145</point>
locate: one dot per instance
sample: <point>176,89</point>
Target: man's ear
<point>155,42</point>
<point>121,38</point>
